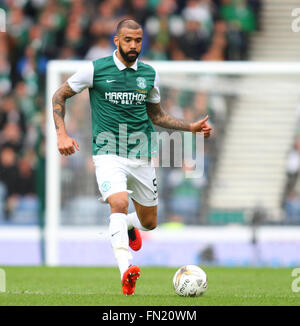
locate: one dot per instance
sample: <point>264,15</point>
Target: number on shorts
<point>155,186</point>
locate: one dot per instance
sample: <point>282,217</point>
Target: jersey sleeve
<point>82,79</point>
<point>154,96</point>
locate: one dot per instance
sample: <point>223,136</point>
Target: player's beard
<point>127,57</point>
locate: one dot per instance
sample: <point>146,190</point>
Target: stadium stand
<point>267,174</point>
<point>38,31</point>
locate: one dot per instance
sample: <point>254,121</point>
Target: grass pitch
<point>99,286</point>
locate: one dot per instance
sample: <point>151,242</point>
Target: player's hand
<point>201,126</point>
<point>66,145</point>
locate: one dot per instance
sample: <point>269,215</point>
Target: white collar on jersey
<point>121,65</point>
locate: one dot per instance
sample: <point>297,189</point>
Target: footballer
<point>123,92</point>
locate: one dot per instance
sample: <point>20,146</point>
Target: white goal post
<point>54,231</point>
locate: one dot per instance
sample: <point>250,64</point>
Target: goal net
<point>252,107</point>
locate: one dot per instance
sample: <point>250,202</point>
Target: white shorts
<point>135,176</point>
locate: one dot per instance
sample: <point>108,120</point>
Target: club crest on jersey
<point>141,82</point>
<point>105,186</point>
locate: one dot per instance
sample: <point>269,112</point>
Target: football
<point>190,281</point>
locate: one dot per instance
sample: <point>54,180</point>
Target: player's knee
<point>119,205</point>
<point>150,224</point>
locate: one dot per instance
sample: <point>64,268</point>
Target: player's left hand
<point>201,126</point>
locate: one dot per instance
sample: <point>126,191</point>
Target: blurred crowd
<point>291,198</point>
<point>41,30</point>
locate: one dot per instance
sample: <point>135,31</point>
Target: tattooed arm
<point>163,119</point>
<point>64,142</point>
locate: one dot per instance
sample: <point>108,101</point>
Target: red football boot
<point>135,239</point>
<point>129,279</point>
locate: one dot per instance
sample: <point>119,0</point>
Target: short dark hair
<point>128,23</point>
